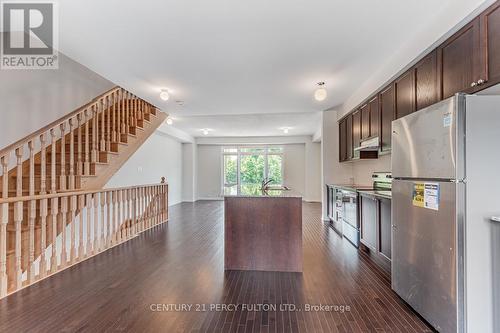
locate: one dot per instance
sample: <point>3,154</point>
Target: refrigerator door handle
<point>495,218</point>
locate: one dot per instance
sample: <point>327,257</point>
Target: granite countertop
<point>251,191</point>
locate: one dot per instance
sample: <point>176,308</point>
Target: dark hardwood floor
<point>181,263</point>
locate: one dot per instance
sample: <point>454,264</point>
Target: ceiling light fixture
<point>285,129</point>
<point>205,131</point>
<point>164,95</point>
<point>320,93</point>
<point>169,121</point>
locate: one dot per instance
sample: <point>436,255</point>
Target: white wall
<point>32,99</point>
<point>209,171</point>
<point>189,172</point>
<point>313,171</point>
<point>297,172</point>
<point>363,169</point>
<point>160,156</point>
<point>294,168</point>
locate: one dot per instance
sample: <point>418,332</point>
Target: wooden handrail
<point>69,193</point>
<point>55,123</point>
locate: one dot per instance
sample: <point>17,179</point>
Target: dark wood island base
<point>263,233</point>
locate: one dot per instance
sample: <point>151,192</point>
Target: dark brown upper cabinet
<point>405,94</point>
<point>426,87</point>
<point>490,39</point>
<point>374,116</point>
<point>342,141</point>
<point>365,121</point>
<point>349,147</point>
<point>356,131</point>
<point>387,113</point>
<point>460,62</point>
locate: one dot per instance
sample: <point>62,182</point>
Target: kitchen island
<point>263,231</point>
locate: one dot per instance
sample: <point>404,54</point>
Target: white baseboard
<point>210,198</point>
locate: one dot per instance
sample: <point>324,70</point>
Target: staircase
<point>52,180</point>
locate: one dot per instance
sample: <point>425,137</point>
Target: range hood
<point>368,148</point>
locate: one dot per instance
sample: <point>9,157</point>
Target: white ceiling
<point>236,58</point>
<point>270,124</point>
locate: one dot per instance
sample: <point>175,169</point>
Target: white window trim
<point>239,153</point>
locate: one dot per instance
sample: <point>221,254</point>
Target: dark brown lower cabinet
<point>376,229</point>
<point>368,215</point>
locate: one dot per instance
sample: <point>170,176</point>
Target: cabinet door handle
<point>473,84</point>
<point>495,218</point>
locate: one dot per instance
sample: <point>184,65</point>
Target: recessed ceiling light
<point>164,95</point>
<point>169,121</point>
<point>320,93</point>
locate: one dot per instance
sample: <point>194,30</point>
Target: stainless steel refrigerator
<point>445,194</point>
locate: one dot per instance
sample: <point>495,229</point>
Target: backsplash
<point>362,169</point>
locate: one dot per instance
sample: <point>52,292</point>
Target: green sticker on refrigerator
<point>426,195</point>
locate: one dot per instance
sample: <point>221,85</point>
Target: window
<point>244,168</point>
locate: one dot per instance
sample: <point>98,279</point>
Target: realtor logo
<point>29,35</point>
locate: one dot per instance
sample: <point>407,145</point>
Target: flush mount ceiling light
<point>169,121</point>
<point>164,95</point>
<point>205,131</point>
<point>285,129</point>
<point>320,93</point>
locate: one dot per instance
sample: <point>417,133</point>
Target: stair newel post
<point>54,211</point>
<point>62,177</point>
<point>113,113</point>
<point>81,206</point>
<point>88,211</point>
<point>144,208</point>
<point>95,242</point>
<point>4,161</point>
<point>31,213</point>
<point>79,159</point>
<point>63,215</point>
<point>72,214</point>
<point>109,219</point>
<point>43,236</point>
<point>71,176</point>
<point>93,154</point>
